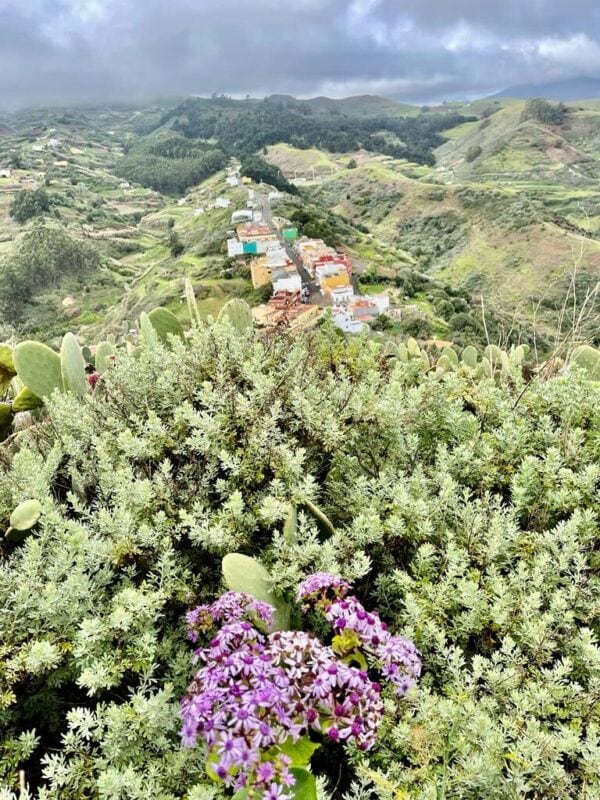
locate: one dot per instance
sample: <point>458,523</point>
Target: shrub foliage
<point>466,511</point>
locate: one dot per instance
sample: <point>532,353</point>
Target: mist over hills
<point>569,90</point>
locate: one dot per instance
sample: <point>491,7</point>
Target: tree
<point>261,171</point>
<point>473,153</point>
<point>40,260</point>
<point>176,246</point>
<point>543,111</point>
<point>29,203</point>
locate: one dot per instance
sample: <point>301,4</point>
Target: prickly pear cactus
<point>413,348</point>
<point>166,324</point>
<point>493,354</point>
<point>26,400</point>
<point>72,366</point>
<point>444,364</point>
<point>192,303</point>
<point>391,349</point>
<point>7,366</point>
<point>38,367</point>
<point>587,358</point>
<point>26,515</point>
<point>486,368</point>
<point>104,356</point>
<point>148,334</point>
<point>451,355</point>
<point>469,356</point>
<point>325,524</point>
<point>403,353</point>
<point>239,314</point>
<point>245,574</point>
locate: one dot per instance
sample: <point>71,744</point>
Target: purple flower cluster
<point>230,607</point>
<point>255,693</point>
<point>395,657</point>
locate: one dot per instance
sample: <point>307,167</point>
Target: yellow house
<point>335,281</point>
<point>260,272</point>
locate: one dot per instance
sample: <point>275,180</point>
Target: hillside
<point>569,90</point>
<point>503,208</point>
<point>299,452</point>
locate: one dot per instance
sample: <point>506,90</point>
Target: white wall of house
<point>344,321</point>
<point>382,301</point>
<point>341,295</point>
<point>291,282</point>
<point>234,248</point>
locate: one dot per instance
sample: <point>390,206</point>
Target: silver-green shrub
<point>467,511</point>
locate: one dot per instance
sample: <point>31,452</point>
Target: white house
<point>277,256</point>
<point>234,248</point>
<point>198,211</point>
<point>344,320</point>
<point>382,301</point>
<point>243,215</point>
<point>181,202</point>
<point>286,280</point>
<point>232,180</point>
<point>222,202</point>
<point>341,295</point>
<point>5,173</point>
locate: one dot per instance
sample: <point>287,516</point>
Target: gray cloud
<point>54,51</point>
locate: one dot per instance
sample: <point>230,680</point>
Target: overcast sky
<point>53,51</point>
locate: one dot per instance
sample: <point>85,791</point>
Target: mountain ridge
<point>568,90</point>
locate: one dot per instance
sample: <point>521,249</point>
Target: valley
<point>501,210</point>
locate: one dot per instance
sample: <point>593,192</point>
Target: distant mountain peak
<point>568,90</point>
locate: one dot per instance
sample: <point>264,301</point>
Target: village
<point>306,275</point>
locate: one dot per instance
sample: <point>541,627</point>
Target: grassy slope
<point>513,265</point>
<point>129,225</point>
<point>401,204</point>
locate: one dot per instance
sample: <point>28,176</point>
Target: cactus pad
<point>72,366</point>
<point>166,324</point>
<point>239,314</point>
<point>26,515</point>
<point>245,574</point>
<point>38,367</point>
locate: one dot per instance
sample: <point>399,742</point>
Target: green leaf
<point>325,524</point>
<point>300,752</point>
<point>290,527</point>
<point>245,574</point>
<point>305,787</point>
<point>191,302</point>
